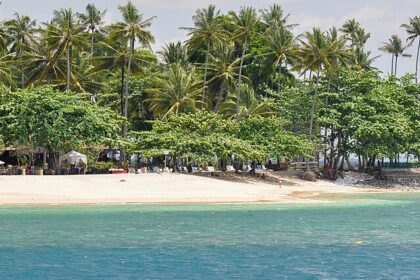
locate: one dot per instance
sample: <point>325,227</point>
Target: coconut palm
<point>339,54</point>
<point>93,20</point>
<point>359,38</point>
<point>174,53</point>
<point>207,30</point>
<point>274,17</point>
<point>395,47</point>
<point>281,48</point>
<point>21,31</point>
<point>64,35</point>
<point>250,105</point>
<point>176,91</point>
<point>223,69</point>
<point>362,60</point>
<point>43,66</point>
<point>5,71</point>
<point>4,37</point>
<point>350,27</point>
<point>314,55</point>
<point>244,24</point>
<point>413,30</point>
<point>115,60</point>
<point>133,28</point>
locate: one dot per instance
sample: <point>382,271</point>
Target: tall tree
<point>281,48</point>
<point>396,48</point>
<point>93,20</point>
<point>64,35</point>
<point>21,32</point>
<point>5,71</point>
<point>413,30</point>
<point>115,61</point>
<point>274,17</point>
<point>133,28</point>
<point>314,55</point>
<point>174,53</point>
<point>208,30</point>
<point>175,92</point>
<point>223,68</point>
<point>244,23</point>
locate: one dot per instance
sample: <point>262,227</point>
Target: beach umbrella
<point>73,158</point>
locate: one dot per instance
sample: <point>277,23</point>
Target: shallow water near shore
<point>369,236</point>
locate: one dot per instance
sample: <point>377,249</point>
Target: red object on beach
<point>119,171</point>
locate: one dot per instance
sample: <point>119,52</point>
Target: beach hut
<point>74,158</point>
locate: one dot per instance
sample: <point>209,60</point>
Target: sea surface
<point>356,237</point>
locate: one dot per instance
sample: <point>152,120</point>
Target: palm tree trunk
<point>122,88</point>
<point>92,42</point>
<point>238,97</point>
<point>396,64</point>
<point>68,68</point>
<point>417,61</point>
<point>205,72</point>
<point>220,96</point>
<point>311,125</point>
<point>279,77</point>
<point>392,65</point>
<point>126,88</point>
<point>22,77</point>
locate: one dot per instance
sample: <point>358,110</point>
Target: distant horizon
<point>381,18</point>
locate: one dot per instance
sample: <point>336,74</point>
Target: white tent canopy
<point>73,158</point>
<point>1,162</point>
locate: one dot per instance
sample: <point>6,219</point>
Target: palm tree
<point>93,20</point>
<point>21,32</point>
<point>244,25</point>
<point>413,30</point>
<point>174,53</point>
<point>274,17</point>
<point>314,55</point>
<point>350,27</point>
<point>338,52</point>
<point>396,48</point>
<point>208,30</point>
<point>116,55</point>
<point>43,66</point>
<point>5,71</point>
<point>65,34</point>
<point>223,69</point>
<point>250,105</point>
<point>175,92</point>
<point>359,38</point>
<point>133,28</point>
<point>280,47</point>
<point>4,37</point>
<point>362,60</point>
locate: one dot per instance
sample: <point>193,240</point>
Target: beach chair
<point>184,169</point>
<point>166,170</point>
<point>195,169</point>
<point>230,168</point>
<point>157,170</point>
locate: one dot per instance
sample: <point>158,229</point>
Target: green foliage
<point>205,136</point>
<point>43,117</point>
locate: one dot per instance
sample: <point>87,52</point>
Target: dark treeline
<point>254,84</point>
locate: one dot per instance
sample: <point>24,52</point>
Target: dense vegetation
<point>243,85</point>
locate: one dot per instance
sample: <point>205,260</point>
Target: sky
<point>380,17</point>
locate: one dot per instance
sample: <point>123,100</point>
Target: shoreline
<point>170,189</point>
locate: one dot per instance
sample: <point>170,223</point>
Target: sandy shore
<point>158,188</point>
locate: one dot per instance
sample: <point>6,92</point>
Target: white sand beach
<point>159,188</point>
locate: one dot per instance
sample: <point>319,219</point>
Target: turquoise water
<point>358,237</point>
